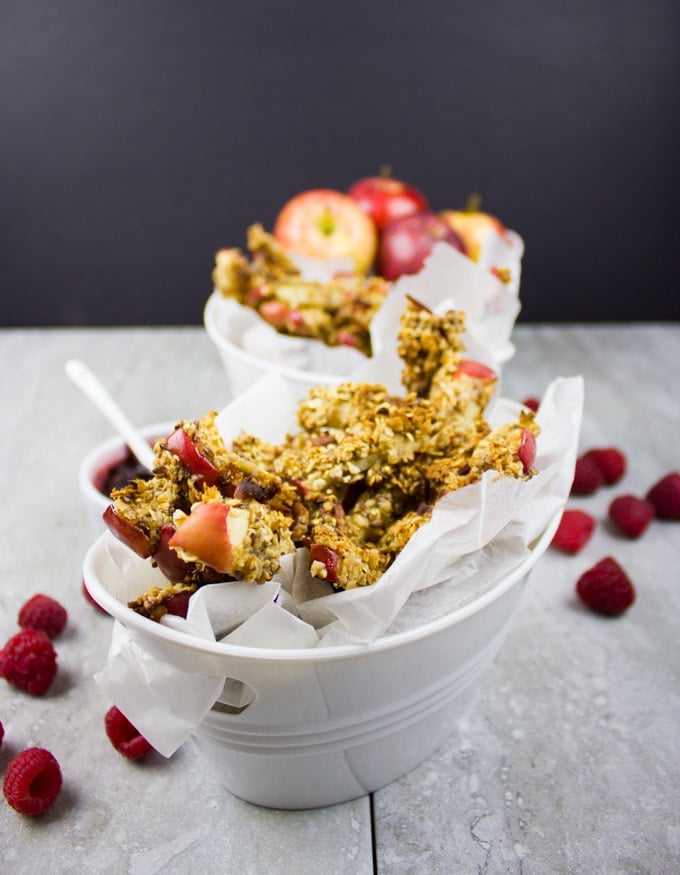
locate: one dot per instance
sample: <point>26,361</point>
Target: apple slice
<point>167,559</point>
<point>191,457</point>
<point>209,535</point>
<point>527,449</point>
<point>321,555</point>
<point>178,603</point>
<point>474,370</point>
<point>133,537</point>
<point>280,315</point>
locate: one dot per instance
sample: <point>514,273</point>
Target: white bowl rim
<point>130,618</point>
<point>308,377</point>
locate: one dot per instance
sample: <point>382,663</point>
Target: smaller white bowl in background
<point>99,459</point>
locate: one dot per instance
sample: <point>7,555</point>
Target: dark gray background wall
<point>136,138</point>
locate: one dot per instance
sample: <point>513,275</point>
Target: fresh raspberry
<point>610,461</point>
<point>574,530</point>
<point>123,735</point>
<point>631,515</point>
<point>665,496</point>
<point>605,588</point>
<point>29,661</point>
<point>532,403</point>
<point>32,781</point>
<point>587,477</point>
<point>44,613</point>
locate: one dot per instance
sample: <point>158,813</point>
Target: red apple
<point>385,199</point>
<point>406,243</point>
<point>473,227</point>
<point>327,557</point>
<point>323,223</point>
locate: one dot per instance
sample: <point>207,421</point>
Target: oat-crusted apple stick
<point>459,389</point>
<point>243,540</point>
<point>341,551</point>
<point>353,483</point>
<point>158,601</point>
<point>354,549</point>
<point>378,447</point>
<point>426,344</point>
<point>337,312</point>
<point>374,510</point>
<point>269,258</point>
<point>509,449</point>
<point>343,563</point>
<point>193,467</point>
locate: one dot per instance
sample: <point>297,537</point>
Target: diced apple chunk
<point>474,370</point>
<point>167,559</point>
<point>191,457</point>
<point>527,450</point>
<point>132,536</point>
<point>324,562</point>
<point>208,535</point>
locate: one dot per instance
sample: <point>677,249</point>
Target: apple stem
<point>326,223</point>
<point>385,171</point>
<point>474,202</point>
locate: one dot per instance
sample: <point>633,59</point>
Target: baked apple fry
<point>360,474</point>
<point>337,312</point>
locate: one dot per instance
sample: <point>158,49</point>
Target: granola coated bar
<point>337,312</point>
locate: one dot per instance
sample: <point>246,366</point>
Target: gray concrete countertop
<point>565,758</point>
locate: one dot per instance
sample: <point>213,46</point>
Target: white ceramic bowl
<point>99,459</point>
<point>306,728</point>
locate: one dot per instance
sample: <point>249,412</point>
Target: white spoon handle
<point>86,381</point>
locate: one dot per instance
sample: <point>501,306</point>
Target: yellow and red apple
<point>472,226</point>
<point>327,224</point>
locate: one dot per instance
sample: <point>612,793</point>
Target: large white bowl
<point>306,728</point>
